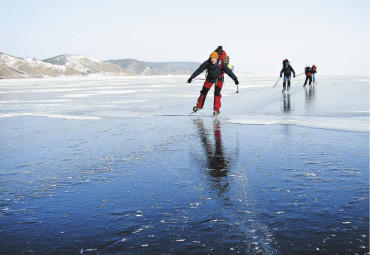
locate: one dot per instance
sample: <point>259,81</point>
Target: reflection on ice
<point>286,102</point>
<point>310,93</point>
<point>310,98</point>
<point>217,164</point>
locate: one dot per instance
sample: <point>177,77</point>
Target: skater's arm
<point>200,70</point>
<point>228,71</point>
<point>293,71</point>
<point>281,72</point>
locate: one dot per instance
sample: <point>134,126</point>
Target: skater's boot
<point>195,109</point>
<point>216,113</point>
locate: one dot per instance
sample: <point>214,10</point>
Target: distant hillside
<point>156,68</point>
<point>14,67</point>
<point>75,65</point>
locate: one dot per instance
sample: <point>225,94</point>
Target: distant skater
<point>224,57</point>
<point>221,53</point>
<point>287,70</point>
<point>313,69</point>
<point>215,69</point>
<point>308,72</point>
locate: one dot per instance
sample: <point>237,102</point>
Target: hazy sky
<point>257,34</point>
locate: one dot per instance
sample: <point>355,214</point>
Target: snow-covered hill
<point>75,65</point>
<point>63,65</point>
<point>14,67</point>
<point>156,68</point>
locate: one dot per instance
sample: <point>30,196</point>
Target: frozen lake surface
<point>117,165</point>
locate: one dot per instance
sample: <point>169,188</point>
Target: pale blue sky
<point>258,34</point>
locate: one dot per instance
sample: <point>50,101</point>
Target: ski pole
<point>299,74</point>
<point>276,83</point>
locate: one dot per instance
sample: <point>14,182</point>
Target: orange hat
<point>214,55</point>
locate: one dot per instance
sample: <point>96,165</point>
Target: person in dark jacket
<point>215,68</point>
<point>287,70</point>
<point>308,73</point>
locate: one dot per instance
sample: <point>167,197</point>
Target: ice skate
<point>195,109</point>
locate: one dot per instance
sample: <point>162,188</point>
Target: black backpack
<point>307,70</point>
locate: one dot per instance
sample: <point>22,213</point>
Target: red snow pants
<point>203,94</point>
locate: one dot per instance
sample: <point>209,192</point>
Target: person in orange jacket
<point>313,69</point>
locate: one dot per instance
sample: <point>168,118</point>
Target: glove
<point>293,76</point>
<point>281,76</point>
<point>236,82</point>
<point>189,81</point>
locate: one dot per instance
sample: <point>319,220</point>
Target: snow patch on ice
<point>56,116</point>
<point>79,95</point>
<point>112,92</point>
<point>34,101</point>
<point>356,124</point>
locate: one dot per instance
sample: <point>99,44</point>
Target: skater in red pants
<point>215,69</point>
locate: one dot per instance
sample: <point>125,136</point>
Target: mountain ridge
<point>12,67</point>
<point>156,68</point>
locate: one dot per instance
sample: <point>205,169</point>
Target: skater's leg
<point>217,101</point>
<point>305,82</point>
<point>284,83</point>
<point>203,94</point>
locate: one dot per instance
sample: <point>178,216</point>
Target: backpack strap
<point>219,63</point>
